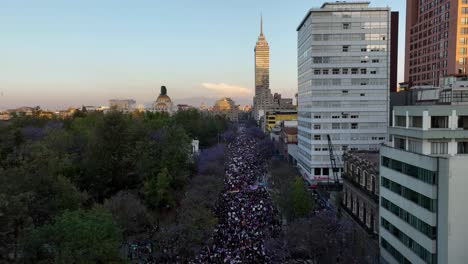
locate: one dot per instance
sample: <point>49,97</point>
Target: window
<point>464,20</point>
<point>325,72</point>
<point>439,147</point>
<point>419,173</point>
<point>344,71</point>
<point>462,51</point>
<point>354,126</point>
<point>317,171</point>
<point>439,121</point>
<point>317,116</point>
<point>317,72</point>
<point>463,41</point>
<point>462,147</point>
<point>344,148</point>
<point>414,146</point>
<point>363,71</point>
<point>416,121</point>
<point>354,116</point>
<point>463,122</point>
<point>375,61</point>
<point>373,72</point>
<point>354,71</point>
<point>316,126</point>
<point>345,25</point>
<point>345,91</point>
<point>400,143</point>
<point>415,197</point>
<point>335,126</point>
<point>464,31</point>
<point>317,137</point>
<point>345,48</point>
<point>400,121</point>
<point>336,71</point>
<point>464,10</point>
<point>423,227</point>
<point>409,243</point>
<point>326,171</point>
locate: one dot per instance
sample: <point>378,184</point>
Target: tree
<point>158,193</point>
<point>299,201</point>
<point>76,237</point>
<point>108,161</point>
<point>130,214</point>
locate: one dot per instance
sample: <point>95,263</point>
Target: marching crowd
<point>245,211</point>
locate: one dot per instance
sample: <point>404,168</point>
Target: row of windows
<point>341,60</point>
<point>421,174</point>
<point>395,253</point>
<point>348,37</point>
<point>409,242</point>
<point>417,198</point>
<point>354,82</point>
<point>421,226</point>
<point>336,71</point>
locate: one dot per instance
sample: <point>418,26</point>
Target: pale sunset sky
<point>57,53</point>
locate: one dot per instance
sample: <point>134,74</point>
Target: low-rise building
<point>360,200</point>
<point>361,188</point>
<point>124,105</point>
<point>273,118</point>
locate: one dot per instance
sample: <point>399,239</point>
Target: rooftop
<point>341,4</point>
<point>370,156</point>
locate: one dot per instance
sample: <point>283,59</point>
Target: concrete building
<point>436,40</point>
<point>344,76</point>
<point>273,118</point>
<point>263,100</point>
<point>423,178</point>
<point>125,105</point>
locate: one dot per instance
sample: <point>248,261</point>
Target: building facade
<point>124,105</point>
<point>273,118</point>
<point>436,40</point>
<point>423,179</point>
<point>360,200</point>
<point>361,189</point>
<point>344,76</point>
<point>264,100</point>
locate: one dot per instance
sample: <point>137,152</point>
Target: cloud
<point>228,90</point>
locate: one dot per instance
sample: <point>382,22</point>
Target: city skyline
<point>60,54</point>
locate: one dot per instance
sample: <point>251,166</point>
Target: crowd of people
<point>247,217</point>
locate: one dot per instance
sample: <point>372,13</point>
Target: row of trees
<point>312,234</point>
<point>73,188</point>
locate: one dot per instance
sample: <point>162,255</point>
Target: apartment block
<point>436,40</point>
<point>344,78</point>
<point>423,179</point>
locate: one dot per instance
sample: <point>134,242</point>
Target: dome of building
<point>163,102</point>
<point>162,98</point>
<point>224,104</point>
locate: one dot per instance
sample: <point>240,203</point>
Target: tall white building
<point>423,178</point>
<point>343,82</point>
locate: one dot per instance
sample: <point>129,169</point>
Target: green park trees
<point>54,173</point>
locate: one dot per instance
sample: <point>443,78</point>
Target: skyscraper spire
<point>261,24</point>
